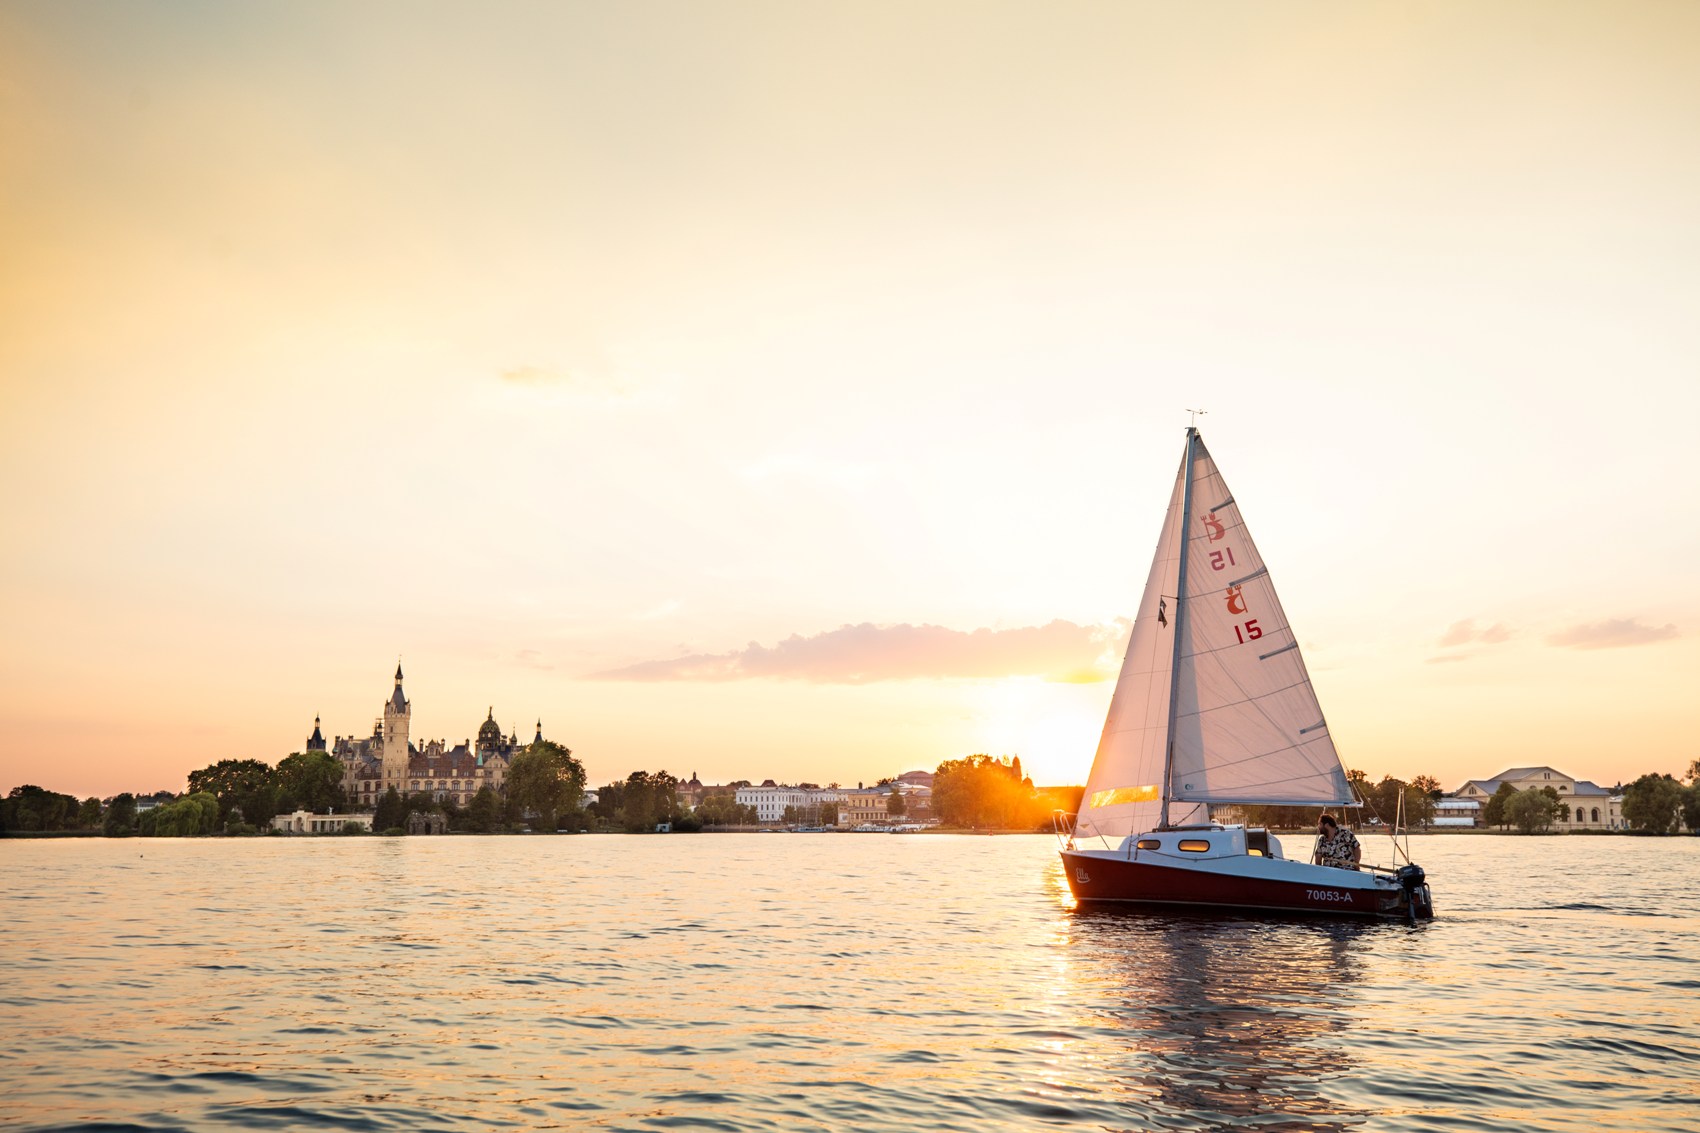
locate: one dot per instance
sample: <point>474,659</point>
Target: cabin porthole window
<point>1194,845</point>
<point>1149,844</point>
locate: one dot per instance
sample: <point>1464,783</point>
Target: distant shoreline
<point>932,830</point>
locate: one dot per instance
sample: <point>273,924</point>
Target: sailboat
<point>1214,708</point>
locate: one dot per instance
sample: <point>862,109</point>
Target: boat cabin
<point>1212,841</point>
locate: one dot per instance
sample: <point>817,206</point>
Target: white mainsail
<point>1234,701</point>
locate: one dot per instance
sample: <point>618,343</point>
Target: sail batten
<point>1213,694</point>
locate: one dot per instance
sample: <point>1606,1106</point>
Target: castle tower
<point>537,739</point>
<point>398,718</point>
<point>316,741</point>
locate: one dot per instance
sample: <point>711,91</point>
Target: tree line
<point>230,796</point>
<point>646,800</point>
<point>981,792</point>
<point>37,810</point>
<point>545,789</point>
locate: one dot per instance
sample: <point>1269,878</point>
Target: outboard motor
<point>1418,901</point>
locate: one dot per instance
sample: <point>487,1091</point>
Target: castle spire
<point>398,699</point>
<point>539,737</point>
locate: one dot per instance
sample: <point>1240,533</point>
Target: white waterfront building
<point>306,822</point>
<point>1592,807</point>
<point>1451,811</point>
<point>770,799</point>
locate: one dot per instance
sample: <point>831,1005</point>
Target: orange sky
<point>665,370</point>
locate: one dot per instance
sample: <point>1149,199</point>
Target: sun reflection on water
<point>1221,1020</point>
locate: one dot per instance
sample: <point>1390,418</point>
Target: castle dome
<point>489,732</point>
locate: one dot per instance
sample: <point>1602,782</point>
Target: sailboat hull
<point>1246,884</point>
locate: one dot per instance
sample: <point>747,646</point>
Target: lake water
<point>804,982</point>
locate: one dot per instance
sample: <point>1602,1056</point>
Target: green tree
<point>1273,817</point>
<point>1422,800</point>
<point>546,780</point>
<point>120,816</point>
<point>169,819</point>
<point>390,811</point>
<point>721,808</point>
<point>610,805</point>
<point>980,791</point>
<point>649,800</point>
<point>828,814</point>
<point>311,780</point>
<point>1532,811</point>
<point>1393,798</point>
<point>34,808</point>
<point>245,784</point>
<point>894,804</point>
<point>484,813</point>
<point>1653,804</point>
<point>1691,807</point>
<point>90,814</point>
<point>188,817</point>
<point>1494,813</point>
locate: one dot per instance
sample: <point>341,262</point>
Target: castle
<point>388,758</point>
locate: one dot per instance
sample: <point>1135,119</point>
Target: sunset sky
<point>793,390</point>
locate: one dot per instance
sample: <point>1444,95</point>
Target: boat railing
<point>1062,825</point>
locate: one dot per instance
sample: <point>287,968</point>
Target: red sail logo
<point>1236,600</point>
<point>1214,526</point>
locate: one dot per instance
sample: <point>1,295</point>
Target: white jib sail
<point>1247,725</point>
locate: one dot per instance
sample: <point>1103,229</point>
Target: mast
<point>1180,614</point>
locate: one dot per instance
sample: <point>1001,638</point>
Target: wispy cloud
<point>1465,632</point>
<point>860,654</point>
<point>596,382</point>
<point>1613,633</point>
<point>665,609</point>
<point>533,376</point>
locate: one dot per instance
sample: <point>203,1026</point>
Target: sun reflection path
<point>1202,1022</point>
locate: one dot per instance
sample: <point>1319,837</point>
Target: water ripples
<point>747,983</point>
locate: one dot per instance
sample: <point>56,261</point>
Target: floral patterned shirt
<point>1338,850</point>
